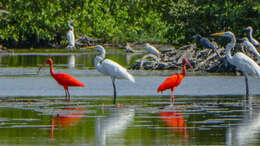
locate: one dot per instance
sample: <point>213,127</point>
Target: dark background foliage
<point>39,23</point>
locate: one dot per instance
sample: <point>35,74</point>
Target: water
<point>208,110</point>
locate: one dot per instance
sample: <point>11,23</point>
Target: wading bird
<point>205,43</point>
<point>152,49</point>
<point>111,68</point>
<point>174,80</point>
<point>250,46</point>
<point>240,60</point>
<point>250,36</point>
<point>63,79</point>
<point>71,36</point>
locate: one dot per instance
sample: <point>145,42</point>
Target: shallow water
<point>208,110</point>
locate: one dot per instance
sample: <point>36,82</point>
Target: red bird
<point>174,80</point>
<point>63,79</point>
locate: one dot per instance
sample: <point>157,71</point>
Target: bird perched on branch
<point>205,43</point>
<point>250,46</point>
<point>152,49</point>
<point>249,30</point>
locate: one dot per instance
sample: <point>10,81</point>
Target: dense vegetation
<point>43,22</point>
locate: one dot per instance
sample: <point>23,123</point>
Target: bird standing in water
<point>174,80</point>
<point>111,68</point>
<point>71,36</point>
<point>63,79</point>
<point>240,60</point>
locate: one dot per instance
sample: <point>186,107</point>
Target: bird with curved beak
<point>240,60</point>
<point>174,80</point>
<point>63,79</point>
<point>205,43</point>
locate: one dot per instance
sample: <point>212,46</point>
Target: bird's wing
<point>206,43</point>
<point>246,64</point>
<point>67,80</point>
<point>115,70</point>
<point>71,37</point>
<point>171,82</point>
<point>251,47</point>
<point>255,42</point>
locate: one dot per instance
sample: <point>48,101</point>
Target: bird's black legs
<point>247,89</point>
<point>68,94</point>
<point>114,86</point>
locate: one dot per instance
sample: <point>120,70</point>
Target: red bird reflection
<point>70,117</point>
<point>175,119</point>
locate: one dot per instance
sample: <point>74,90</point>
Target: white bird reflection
<point>71,61</point>
<point>114,125</point>
<point>246,132</point>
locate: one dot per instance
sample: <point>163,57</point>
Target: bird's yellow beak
<point>88,47</point>
<point>218,34</point>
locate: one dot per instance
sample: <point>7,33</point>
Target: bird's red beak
<point>188,63</point>
<point>41,67</point>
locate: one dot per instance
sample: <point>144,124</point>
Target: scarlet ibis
<point>63,79</point>
<point>111,68</point>
<point>174,80</point>
<point>251,38</point>
<point>71,36</point>
<point>240,60</point>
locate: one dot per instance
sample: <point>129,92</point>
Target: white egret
<point>152,49</point>
<point>128,48</point>
<point>70,36</point>
<point>111,68</point>
<point>240,60</point>
<point>251,38</point>
<point>250,46</point>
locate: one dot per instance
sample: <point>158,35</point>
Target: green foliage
<point>35,22</point>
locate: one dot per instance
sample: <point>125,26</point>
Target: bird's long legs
<point>67,94</point>
<point>114,86</point>
<point>172,97</point>
<point>247,88</point>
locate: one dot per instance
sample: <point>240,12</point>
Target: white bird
<point>250,46</point>
<point>251,38</point>
<point>111,68</point>
<point>152,49</point>
<point>71,36</point>
<point>240,60</point>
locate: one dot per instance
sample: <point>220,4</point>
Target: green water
<point>135,121</point>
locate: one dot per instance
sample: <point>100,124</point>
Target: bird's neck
<point>250,34</point>
<point>97,63</point>
<point>230,46</point>
<point>51,69</point>
<point>71,28</point>
<point>184,70</point>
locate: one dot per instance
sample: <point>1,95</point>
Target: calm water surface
<point>209,110</point>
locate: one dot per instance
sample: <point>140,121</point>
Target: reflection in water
<point>71,61</point>
<point>176,121</point>
<point>113,126</point>
<point>247,131</point>
<point>68,117</point>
